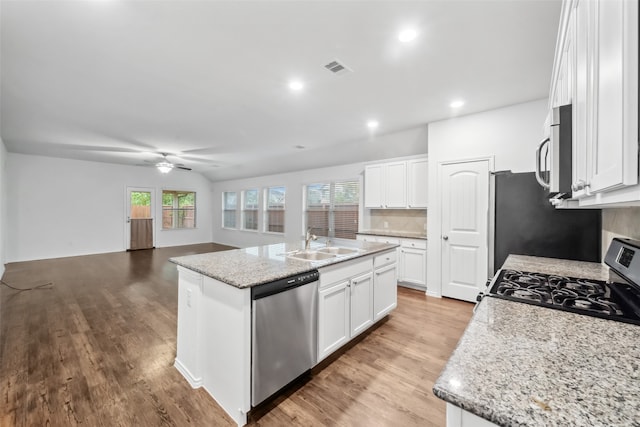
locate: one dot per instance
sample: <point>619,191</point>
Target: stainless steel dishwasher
<point>283,332</point>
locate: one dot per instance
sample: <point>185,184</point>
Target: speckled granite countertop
<point>248,267</point>
<point>400,234</point>
<point>523,365</point>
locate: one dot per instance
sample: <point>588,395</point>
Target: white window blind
<point>274,209</point>
<point>332,208</point>
<point>250,210</point>
<point>230,205</point>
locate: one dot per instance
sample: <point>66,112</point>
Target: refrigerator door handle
<point>539,178</point>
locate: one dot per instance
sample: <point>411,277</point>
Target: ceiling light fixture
<point>456,104</point>
<point>296,85</point>
<point>164,167</point>
<point>405,36</point>
<point>372,124</point>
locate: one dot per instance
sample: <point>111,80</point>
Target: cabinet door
<point>414,265</point>
<point>417,183</point>
<point>614,148</point>
<point>396,185</point>
<point>361,290</point>
<point>385,291</point>
<point>583,93</point>
<point>333,318</point>
<point>373,186</point>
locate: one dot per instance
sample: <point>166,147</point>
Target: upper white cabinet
<point>596,70</point>
<point>417,183</point>
<point>396,185</point>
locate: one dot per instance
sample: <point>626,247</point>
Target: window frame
<point>176,209</point>
<point>224,210</point>
<point>244,210</point>
<point>265,209</point>
<point>331,225</point>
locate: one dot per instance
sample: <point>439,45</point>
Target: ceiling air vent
<point>337,68</point>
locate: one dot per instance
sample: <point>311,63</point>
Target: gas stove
<point>618,300</point>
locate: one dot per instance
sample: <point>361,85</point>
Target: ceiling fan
<point>165,166</point>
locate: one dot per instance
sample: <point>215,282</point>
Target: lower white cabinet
<point>333,318</point>
<point>352,296</point>
<point>458,417</point>
<point>385,290</point>
<point>413,265</point>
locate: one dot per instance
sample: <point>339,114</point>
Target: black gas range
<point>618,300</point>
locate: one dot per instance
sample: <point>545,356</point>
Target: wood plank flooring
<point>97,349</point>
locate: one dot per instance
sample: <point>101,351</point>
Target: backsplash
<point>410,220</point>
<point>619,222</point>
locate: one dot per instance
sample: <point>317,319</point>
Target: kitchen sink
<point>311,255</point>
<point>338,250</point>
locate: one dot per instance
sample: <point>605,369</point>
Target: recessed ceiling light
<point>456,104</point>
<point>372,124</point>
<point>407,35</point>
<point>296,85</point>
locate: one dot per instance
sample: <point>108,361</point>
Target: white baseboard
<point>193,381</point>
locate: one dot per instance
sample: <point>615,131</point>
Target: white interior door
<point>465,209</point>
<point>139,228</point>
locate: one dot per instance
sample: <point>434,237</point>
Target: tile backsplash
<point>410,220</point>
<point>619,222</point>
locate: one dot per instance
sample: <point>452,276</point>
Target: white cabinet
<point>413,261</point>
<point>373,186</point>
<point>352,296</point>
<point>385,285</point>
<point>396,185</point>
<point>333,318</point>
<point>361,296</point>
<point>458,417</point>
<point>596,70</point>
<point>417,184</point>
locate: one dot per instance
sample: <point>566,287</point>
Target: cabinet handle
<point>539,178</point>
<point>579,185</point>
<point>445,237</point>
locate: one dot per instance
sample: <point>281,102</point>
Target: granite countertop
<point>244,268</point>
<point>523,365</point>
<point>392,233</point>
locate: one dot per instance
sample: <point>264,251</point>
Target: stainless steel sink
<point>311,255</point>
<point>338,250</point>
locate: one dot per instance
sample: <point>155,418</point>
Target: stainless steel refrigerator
<point>525,223</point>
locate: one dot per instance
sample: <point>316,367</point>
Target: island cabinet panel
<point>333,310</point>
<point>385,291</point>
<point>361,290</point>
<point>457,417</point>
<point>227,344</point>
<point>188,340</point>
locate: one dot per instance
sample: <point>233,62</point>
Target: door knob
<point>445,237</point>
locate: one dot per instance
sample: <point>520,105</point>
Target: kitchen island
<point>524,365</point>
<point>214,348</point>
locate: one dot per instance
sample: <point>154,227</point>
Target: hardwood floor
<point>98,349</point>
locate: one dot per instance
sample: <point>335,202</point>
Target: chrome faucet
<point>308,238</point>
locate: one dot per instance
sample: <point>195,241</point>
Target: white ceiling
<point>116,81</point>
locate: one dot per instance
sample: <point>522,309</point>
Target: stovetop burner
<point>582,296</point>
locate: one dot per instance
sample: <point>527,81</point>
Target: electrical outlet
<point>386,224</point>
<point>188,297</point>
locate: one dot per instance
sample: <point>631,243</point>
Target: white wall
<point>62,207</point>
<point>509,135</point>
<point>293,182</point>
<point>3,206</point>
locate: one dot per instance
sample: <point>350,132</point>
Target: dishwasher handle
<point>285,284</point>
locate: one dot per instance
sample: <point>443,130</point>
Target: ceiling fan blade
<point>184,168</point>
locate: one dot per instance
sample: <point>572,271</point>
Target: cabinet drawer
<point>385,258</point>
<point>414,244</point>
<point>392,240</point>
<point>344,270</point>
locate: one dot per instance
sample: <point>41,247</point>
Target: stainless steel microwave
<point>553,155</point>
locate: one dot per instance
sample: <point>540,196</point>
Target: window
<point>332,208</point>
<point>230,204</point>
<point>250,210</point>
<point>178,209</point>
<point>274,209</point>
